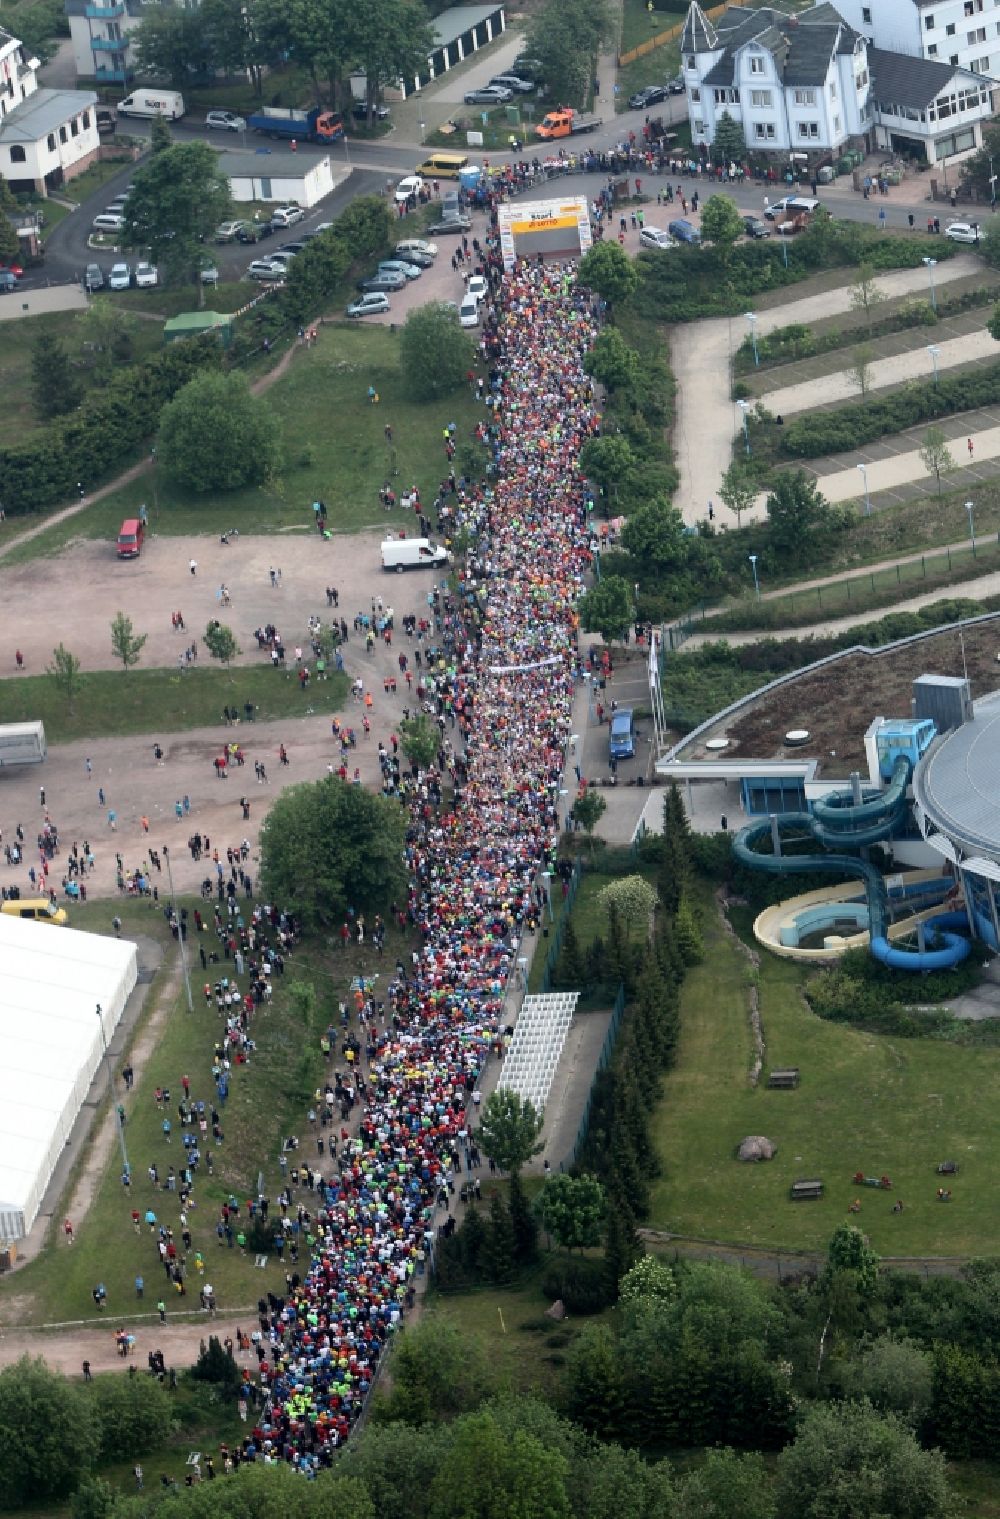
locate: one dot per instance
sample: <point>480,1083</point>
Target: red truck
<point>130,538</point>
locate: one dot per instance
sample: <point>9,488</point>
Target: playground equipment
<point>855,819</point>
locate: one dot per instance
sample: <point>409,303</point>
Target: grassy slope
<point>865,1103</point>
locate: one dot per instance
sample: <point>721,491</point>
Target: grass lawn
<point>93,178</point>
<point>268,1100</point>
<point>113,702</point>
<point>171,302</point>
<point>335,449</point>
<point>654,67</point>
<point>499,128</point>
<point>879,1105</point>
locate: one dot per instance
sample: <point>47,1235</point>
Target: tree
<point>850,1251</point>
<point>487,1473</point>
<point>509,1127</point>
<point>437,1372</point>
<point>611,362</point>
<point>607,607</point>
<point>106,336</point>
<point>977,169</point>
<point>10,243</point>
<point>588,810</point>
<point>650,1280</point>
<point>389,40</point>
<point>395,1461</point>
<point>633,899</point>
<point>134,1414</point>
<point>94,1499</point>
<point>654,535</point>
<point>728,145</point>
<point>848,1460</point>
<point>993,325</point>
<point>860,371</point>
<point>312,33</point>
<point>609,272</point>
<point>420,738</point>
<point>799,517</point>
<point>172,42</point>
<point>727,1486</point>
<point>607,460</point>
<point>55,384</point>
<point>687,934</point>
<point>935,455</point>
<point>176,201</point>
<point>8,200</point>
<point>739,490</point>
<point>216,436</point>
<point>65,672</point>
<point>216,1364</point>
<point>49,1434</point>
<point>126,643</point>
<point>866,294</point>
<point>721,221</point>
<point>326,846</point>
<point>220,642</point>
<point>566,37</point>
<point>571,1209</point>
<point>897,1376</point>
<point>160,135</point>
<point>435,353</point>
<point>500,1246</point>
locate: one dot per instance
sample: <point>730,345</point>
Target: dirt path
<point>66,1346</point>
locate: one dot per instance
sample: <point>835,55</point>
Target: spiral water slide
<point>838,821</point>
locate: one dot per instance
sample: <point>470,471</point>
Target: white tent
<point>52,981</point>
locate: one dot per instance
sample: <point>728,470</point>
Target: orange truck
<point>565,122</point>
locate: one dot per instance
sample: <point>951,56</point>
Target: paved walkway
<point>901,468</point>
<point>707,420</point>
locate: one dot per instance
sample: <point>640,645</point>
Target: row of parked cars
<point>410,259</point>
<point>523,77</point>
<point>653,94</point>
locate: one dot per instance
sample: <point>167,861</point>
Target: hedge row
<point>113,423</point>
<point>832,432</point>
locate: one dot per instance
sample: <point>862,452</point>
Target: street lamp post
<point>930,264</point>
<point>934,351</point>
<point>753,566</point>
<point>751,317</point>
<point>970,508</point>
<point>180,930</point>
<point>868,500</point>
<point>156,499</point>
<point>744,407</point>
<point>119,1125</point>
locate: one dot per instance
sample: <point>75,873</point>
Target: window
<point>809,129</point>
<point>866,15</point>
<point>929,23</point>
<point>761,99</point>
<point>949,30</point>
<point>17,155</point>
<point>62,135</point>
<point>696,96</point>
<point>973,7</point>
<point>86,121</point>
<point>833,89</point>
<point>979,35</point>
<point>805,97</point>
<point>861,80</point>
<point>756,63</point>
<point>699,129</point>
<point>74,128</point>
<point>932,50</point>
<point>836,124</point>
<point>978,66</point>
<point>690,62</point>
<point>763,130</point>
<point>954,59</point>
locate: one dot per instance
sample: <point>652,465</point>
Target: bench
<point>948,1168</point>
<point>806,1191</point>
<point>784,1079</point>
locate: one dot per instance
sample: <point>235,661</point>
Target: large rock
<point>756,1147</point>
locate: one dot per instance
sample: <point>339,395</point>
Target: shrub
<point>134,1414</point>
<point>580,1283</point>
<point>214,1364</point>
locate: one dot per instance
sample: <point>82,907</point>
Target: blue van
<point>684,232</point>
<point>621,740</point>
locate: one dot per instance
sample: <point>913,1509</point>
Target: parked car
<point>8,282</point>
<point>477,287</point>
<point>287,216</point>
<point>528,68</point>
<point>514,82</point>
<point>651,95</point>
<point>209,272</point>
<point>414,259</point>
<point>120,277</point>
<point>385,281</point>
<point>490,94</point>
<point>228,232</point>
<point>118,203</point>
<point>655,237</point>
<point>411,185</point>
<point>962,232</point>
<point>226,121</point>
<point>621,735</point>
<point>399,266</point>
<point>93,277</point>
<point>11,266</point>
<point>291,249</point>
<point>146,275</point>
<point>252,232</point>
<point>676,86</point>
<point>109,221</point>
<point>416,245</point>
<point>753,226</point>
<point>369,305</point>
<point>468,312</point>
<point>360,112</point>
<point>266,269</point>
<point>453,224</point>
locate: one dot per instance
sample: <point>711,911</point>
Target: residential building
<point>798,85</point>
<point>100,31</point>
<point>46,136</point>
<point>961,33</point>
<point>925,109</point>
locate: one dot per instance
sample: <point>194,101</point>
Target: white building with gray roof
<point>46,136</point>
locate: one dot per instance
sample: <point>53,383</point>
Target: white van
<point>109,221</point>
<point>468,312</point>
<point>168,103</point>
<point>22,744</point>
<point>401,554</point>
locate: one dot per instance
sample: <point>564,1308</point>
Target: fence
<point>555,947</point>
<point>607,1050</point>
<point>661,37</point>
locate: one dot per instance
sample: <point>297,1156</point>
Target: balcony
<point>104,12</point>
<point>108,44</point>
<point>114,76</point>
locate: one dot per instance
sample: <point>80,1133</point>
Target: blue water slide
<point>837,821</point>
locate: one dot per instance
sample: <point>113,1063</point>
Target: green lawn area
<point>879,1105</point>
<point>335,449</point>
<point>116,702</point>
<point>93,178</point>
<point>269,1099</point>
<point>590,921</point>
<point>499,128</point>
<point>171,302</point>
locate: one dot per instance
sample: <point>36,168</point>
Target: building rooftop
<point>43,112</point>
<point>266,163</point>
<point>461,18</point>
<point>957,783</point>
<point>802,46</point>
<point>898,79</point>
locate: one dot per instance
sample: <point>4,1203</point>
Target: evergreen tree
<point>522,1222</point>
<point>674,875</point>
<point>667,952</point>
<point>625,1166</point>
<point>688,935</point>
<point>595,962</point>
<point>594,1382</point>
<point>728,144</point>
<point>499,1254</point>
<point>55,383</point>
<point>622,1246</point>
<point>632,1114</point>
<point>472,1240</point>
<point>570,970</point>
<point>159,134</point>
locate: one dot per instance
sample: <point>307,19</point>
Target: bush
<point>214,1364</point>
<point>134,1414</point>
<point>579,1282</point>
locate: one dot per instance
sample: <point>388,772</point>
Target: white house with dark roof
<point>46,136</point>
<point>959,33</point>
<point>926,108</point>
<point>796,84</point>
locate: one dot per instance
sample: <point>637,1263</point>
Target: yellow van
<point>443,165</point>
<point>39,909</point>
